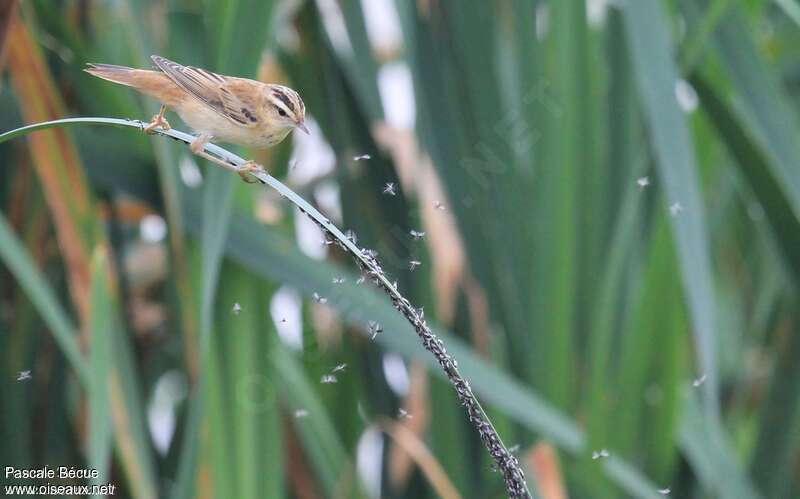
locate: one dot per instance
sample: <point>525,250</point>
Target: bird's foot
<point>199,143</point>
<point>158,121</point>
<point>249,167</point>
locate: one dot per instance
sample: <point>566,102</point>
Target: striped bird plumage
<point>231,109</point>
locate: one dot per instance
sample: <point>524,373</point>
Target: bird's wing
<point>227,96</point>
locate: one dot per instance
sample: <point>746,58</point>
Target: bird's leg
<point>158,121</point>
<point>197,147</point>
<point>250,166</point>
<point>199,143</point>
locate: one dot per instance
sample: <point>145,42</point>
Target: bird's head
<point>286,107</point>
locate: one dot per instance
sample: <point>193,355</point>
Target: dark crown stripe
<point>284,98</point>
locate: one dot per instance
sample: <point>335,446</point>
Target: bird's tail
<point>111,72</point>
<point>153,83</point>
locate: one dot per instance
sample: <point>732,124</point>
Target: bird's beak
<point>302,126</point>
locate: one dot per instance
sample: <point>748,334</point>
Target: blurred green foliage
<point>611,201</point>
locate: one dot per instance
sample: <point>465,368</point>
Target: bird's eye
<point>282,112</point>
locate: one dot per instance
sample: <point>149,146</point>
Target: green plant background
<point>614,267</point>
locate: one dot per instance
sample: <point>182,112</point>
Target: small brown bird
<point>235,110</point>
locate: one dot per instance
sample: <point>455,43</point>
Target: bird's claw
<point>249,167</point>
<point>158,121</point>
